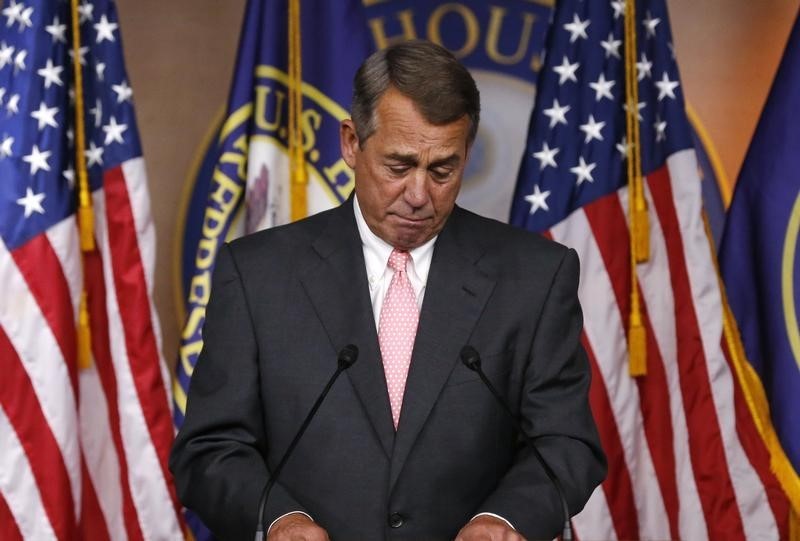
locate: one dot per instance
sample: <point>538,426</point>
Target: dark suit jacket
<point>285,300</point>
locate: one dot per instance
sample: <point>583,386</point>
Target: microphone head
<point>347,356</point>
<point>470,358</point>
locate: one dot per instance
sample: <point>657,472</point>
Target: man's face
<point>408,172</point>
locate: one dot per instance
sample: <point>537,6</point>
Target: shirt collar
<point>377,250</point>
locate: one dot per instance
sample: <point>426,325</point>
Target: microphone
<point>472,360</point>
<point>347,356</point>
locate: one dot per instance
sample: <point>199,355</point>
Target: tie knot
<point>398,260</point>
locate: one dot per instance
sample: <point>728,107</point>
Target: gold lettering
<point>368,3</point>
<point>193,324</point>
<point>470,24</point>
<point>206,252</point>
<point>536,63</point>
<point>226,191</point>
<point>493,37</point>
<point>378,26</point>
<point>310,123</point>
<point>201,288</point>
<point>189,350</point>
<point>239,159</point>
<point>334,174</point>
<point>262,95</point>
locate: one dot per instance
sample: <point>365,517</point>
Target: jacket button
<point>395,520</point>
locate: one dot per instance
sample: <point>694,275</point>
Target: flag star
<point>32,202</point>
<point>546,156</point>
<point>5,147</point>
<point>592,129</point>
<point>70,136</point>
<point>13,104</point>
<point>666,87</point>
<point>2,94</point>
<point>105,29</point>
<point>661,129</point>
<point>97,112</point>
<point>538,199</point>
<point>94,154</point>
<point>57,30</point>
<point>51,74</point>
<point>566,71</point>
<point>24,19</point>
<point>577,28</point>
<point>81,53</point>
<point>639,106</point>
<point>100,69</point>
<point>650,24</point>
<point>557,113</point>
<point>583,171</point>
<point>114,131</point>
<point>69,174</point>
<point>123,91</point>
<point>37,160</point>
<point>644,67</point>
<point>86,11</point>
<point>619,8</point>
<point>602,88</point>
<point>46,116</point>
<point>6,54</point>
<point>19,60</point>
<point>624,147</point>
<point>611,45</point>
<point>13,12</point>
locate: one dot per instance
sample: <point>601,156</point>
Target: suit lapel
<point>336,284</point>
<point>455,295</point>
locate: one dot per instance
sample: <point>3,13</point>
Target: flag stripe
<point>116,481</point>
<point>39,264</point>
<point>65,243</point>
<point>716,490</point>
<point>619,488</point>
<point>608,224</point>
<point>19,402</point>
<point>9,531</point>
<point>152,494</point>
<point>92,523</point>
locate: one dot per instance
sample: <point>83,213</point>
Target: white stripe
<point>604,329</point>
<point>38,350</point>
<point>135,176</point>
<point>18,486</point>
<point>64,239</point>
<point>594,522</point>
<point>757,517</point>
<point>99,452</point>
<point>149,489</point>
<point>654,278</point>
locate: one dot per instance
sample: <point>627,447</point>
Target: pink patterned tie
<point>396,331</point>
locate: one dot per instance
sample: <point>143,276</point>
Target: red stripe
<point>617,486</point>
<point>706,446</point>
<point>101,349</point>
<point>92,524</point>
<point>39,264</point>
<point>758,454</point>
<point>22,407</point>
<point>134,306</point>
<point>609,227</point>
<point>9,531</point>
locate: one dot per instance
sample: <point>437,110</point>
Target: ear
<point>348,141</point>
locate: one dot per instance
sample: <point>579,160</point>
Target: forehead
<point>399,123</point>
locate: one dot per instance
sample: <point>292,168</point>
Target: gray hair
<point>438,84</point>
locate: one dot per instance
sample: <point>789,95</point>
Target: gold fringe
<point>297,160</point>
<point>637,206</point>
<point>756,399</point>
<point>85,212</point>
<point>84,336</point>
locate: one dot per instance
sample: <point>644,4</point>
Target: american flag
<point>83,450</point>
<point>688,459</point>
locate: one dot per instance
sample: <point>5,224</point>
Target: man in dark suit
<point>409,443</point>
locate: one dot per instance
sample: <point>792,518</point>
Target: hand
<point>296,527</point>
<point>488,528</point>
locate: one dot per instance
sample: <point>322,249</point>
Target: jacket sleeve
<point>217,458</point>
<point>554,412</point>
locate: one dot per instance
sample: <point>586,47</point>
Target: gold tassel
<point>637,205</point>
<point>298,175</point>
<point>84,336</point>
<point>794,525</point>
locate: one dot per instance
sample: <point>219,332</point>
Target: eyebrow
<point>411,159</point>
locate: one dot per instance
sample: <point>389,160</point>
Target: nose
<point>416,189</point>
